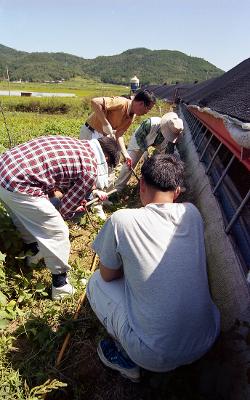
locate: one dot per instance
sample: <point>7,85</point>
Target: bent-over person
<point>162,133</point>
<point>30,172</point>
<point>112,116</point>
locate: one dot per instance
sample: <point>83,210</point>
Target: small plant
<point>39,392</point>
<point>8,311</point>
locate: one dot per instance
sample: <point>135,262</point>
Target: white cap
<point>171,126</point>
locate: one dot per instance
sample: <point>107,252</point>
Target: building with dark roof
<point>216,148</point>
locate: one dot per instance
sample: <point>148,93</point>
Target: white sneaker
<point>34,259</point>
<point>98,210</point>
<point>58,293</point>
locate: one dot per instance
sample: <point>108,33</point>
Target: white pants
<point>87,134</point>
<point>107,299</point>
<point>38,221</point>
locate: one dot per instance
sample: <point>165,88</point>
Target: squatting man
<point>151,292</point>
<point>31,171</point>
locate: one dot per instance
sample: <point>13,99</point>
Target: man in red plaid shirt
<point>30,171</point>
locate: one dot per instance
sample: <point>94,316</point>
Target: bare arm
<point>109,275</point>
<point>97,105</point>
<point>121,143</point>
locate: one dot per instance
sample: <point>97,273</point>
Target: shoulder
<point>190,207</point>
<point>125,216</point>
<point>116,102</point>
<point>192,211</point>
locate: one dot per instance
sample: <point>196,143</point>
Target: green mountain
<point>150,66</point>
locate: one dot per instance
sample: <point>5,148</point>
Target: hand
<point>99,193</point>
<point>56,192</point>
<point>107,129</point>
<point>80,209</point>
<point>128,160</point>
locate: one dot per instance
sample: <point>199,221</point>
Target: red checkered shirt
<point>35,168</point>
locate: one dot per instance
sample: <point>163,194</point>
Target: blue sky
<point>216,30</point>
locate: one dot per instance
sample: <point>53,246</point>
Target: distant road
<point>34,94</point>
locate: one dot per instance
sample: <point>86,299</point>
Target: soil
<point>222,374</point>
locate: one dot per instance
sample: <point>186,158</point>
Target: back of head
<point>164,172</point>
<point>110,149</point>
<point>145,96</point>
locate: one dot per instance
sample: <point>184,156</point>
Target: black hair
<point>164,172</point>
<point>145,96</point>
<point>127,96</point>
<point>111,149</point>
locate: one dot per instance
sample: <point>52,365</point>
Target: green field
<point>22,118</point>
<point>78,86</point>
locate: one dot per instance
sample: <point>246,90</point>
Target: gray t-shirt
<point>169,308</point>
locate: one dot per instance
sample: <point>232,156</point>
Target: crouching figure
<point>151,292</point>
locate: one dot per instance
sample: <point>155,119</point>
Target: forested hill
<point>150,66</point>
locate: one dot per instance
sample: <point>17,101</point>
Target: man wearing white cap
<point>161,133</point>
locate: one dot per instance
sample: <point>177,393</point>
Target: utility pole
<point>8,77</point>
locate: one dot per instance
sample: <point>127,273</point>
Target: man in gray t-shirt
<point>151,292</point>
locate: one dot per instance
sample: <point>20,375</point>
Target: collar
<point>129,109</point>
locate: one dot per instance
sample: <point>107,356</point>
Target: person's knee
<point>92,282</point>
<point>61,235</point>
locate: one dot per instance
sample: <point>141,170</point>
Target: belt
<point>89,127</point>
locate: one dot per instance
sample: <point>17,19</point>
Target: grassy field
<point>22,118</point>
<point>77,86</point>
<point>32,326</point>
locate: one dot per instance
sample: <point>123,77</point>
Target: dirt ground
<point>223,374</point>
